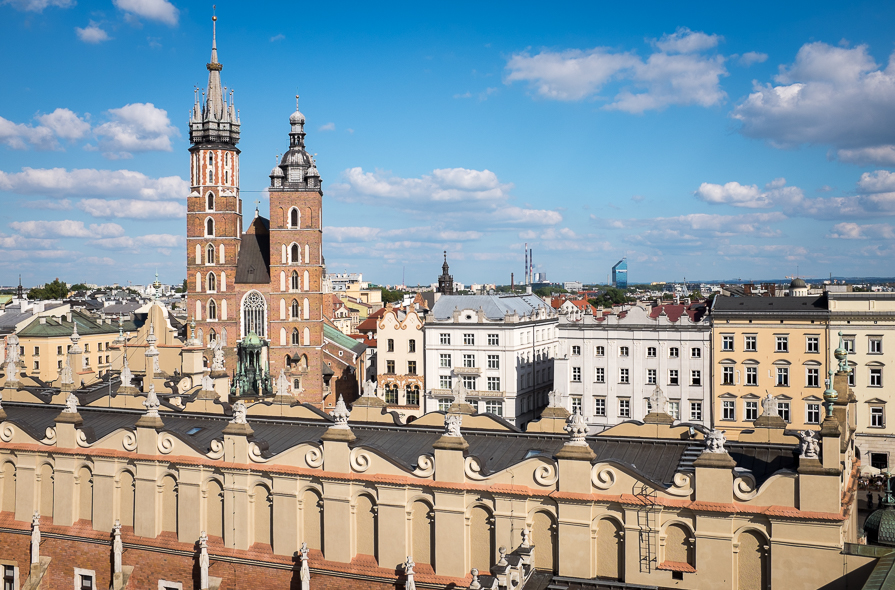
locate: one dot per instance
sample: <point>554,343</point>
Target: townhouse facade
<point>494,352</point>
<point>608,366</point>
<point>400,359</point>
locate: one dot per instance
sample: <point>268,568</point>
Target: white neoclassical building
<point>608,366</point>
<point>499,347</point>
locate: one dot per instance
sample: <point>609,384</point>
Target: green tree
<point>611,296</point>
<point>79,287</point>
<point>55,290</point>
<point>389,296</point>
<point>181,289</point>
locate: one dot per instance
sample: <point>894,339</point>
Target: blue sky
<point>754,141</point>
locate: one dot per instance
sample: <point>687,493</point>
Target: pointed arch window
<point>293,217</point>
<point>212,282</point>
<point>210,158</point>
<point>295,341</point>
<point>210,176</point>
<point>212,313</point>
<point>254,314</point>
<point>307,281</point>
<point>295,286</point>
<point>209,201</point>
<point>294,254</point>
<point>295,310</point>
<point>212,336</point>
<point>209,254</point>
<point>209,227</point>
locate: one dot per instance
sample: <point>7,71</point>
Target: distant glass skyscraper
<point>620,274</point>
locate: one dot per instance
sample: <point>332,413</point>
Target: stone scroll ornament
<point>239,413</point>
<point>809,444</point>
<point>452,424</point>
<point>577,429</point>
<point>714,441</point>
<point>340,414</point>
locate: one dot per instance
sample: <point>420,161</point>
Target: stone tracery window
<point>254,314</point>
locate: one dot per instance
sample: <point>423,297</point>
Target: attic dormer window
<point>294,174</point>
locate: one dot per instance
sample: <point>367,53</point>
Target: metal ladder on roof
<point>646,522</point>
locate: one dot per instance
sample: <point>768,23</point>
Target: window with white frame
<point>651,352</point>
<point>673,352</point>
<point>750,343</point>
<point>10,577</point>
<point>877,417</point>
<point>576,350</point>
<point>727,376</point>
<point>851,378</point>
<point>782,344</point>
<point>469,361</point>
<point>494,407</point>
<point>812,377</point>
<point>493,383</point>
<point>444,405</point>
<point>695,353</point>
<point>751,375</point>
<point>812,344</point>
<point>695,377</point>
<point>622,351</point>
<point>728,410</point>
<point>849,345</point>
<point>876,378</point>
<point>469,339</point>
<point>651,376</point>
<point>599,375</point>
<point>727,342</point>
<point>624,376</point>
<point>444,338</point>
<point>85,579</point>
<point>576,404</point>
<point>493,361</point>
<point>674,410</point>
<point>751,411</point>
<point>599,406</point>
<point>875,345</point>
<point>599,351</point>
<point>673,378</point>
<point>444,359</point>
<point>782,376</point>
<point>783,410</point>
<point>576,374</point>
<point>812,413</point>
<point>695,410</point>
<point>493,339</point>
<point>444,381</point>
<point>624,408</point>
<point>469,382</point>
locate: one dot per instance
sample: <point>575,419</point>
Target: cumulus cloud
<point>676,74</point>
<point>876,197</point>
<point>157,10</point>
<point>65,124</point>
<point>61,205</point>
<point>564,239</point>
<point>855,231</point>
<point>367,234</point>
<point>752,57</point>
<point>37,5</point>
<point>834,96</point>
<point>132,209</point>
<point>693,229</point>
<point>60,182</point>
<point>137,127</point>
<point>18,136</point>
<point>66,228</point>
<point>92,33</point>
<point>136,243</point>
<point>327,127</point>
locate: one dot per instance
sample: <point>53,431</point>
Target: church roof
<point>494,306</point>
<point>253,263</point>
<point>337,337</point>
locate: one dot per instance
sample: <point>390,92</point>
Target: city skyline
<point>681,141</point>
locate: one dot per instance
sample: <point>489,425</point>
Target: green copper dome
<point>880,525</point>
<point>252,339</point>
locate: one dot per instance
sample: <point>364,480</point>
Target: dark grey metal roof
<point>253,265</point>
<point>770,305</point>
<point>494,306</point>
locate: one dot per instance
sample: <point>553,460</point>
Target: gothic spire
<point>214,105</point>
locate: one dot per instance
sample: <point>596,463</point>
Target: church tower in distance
<point>214,211</point>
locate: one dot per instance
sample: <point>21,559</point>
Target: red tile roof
<point>674,312</point>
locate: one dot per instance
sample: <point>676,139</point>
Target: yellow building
<point>769,346</point>
<point>399,358</point>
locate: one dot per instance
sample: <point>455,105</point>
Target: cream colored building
<point>769,345</point>
<point>867,324</point>
<point>400,359</point>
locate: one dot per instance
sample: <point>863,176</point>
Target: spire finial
<point>214,27</point>
<point>296,102</point>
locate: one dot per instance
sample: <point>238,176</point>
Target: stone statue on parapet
<point>452,424</point>
<point>809,444</point>
<point>340,414</point>
<point>71,404</point>
<point>369,388</point>
<point>769,405</point>
<point>658,401</point>
<point>459,390</point>
<point>239,413</point>
<point>217,359</point>
<point>714,441</point>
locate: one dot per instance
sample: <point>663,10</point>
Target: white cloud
<point>327,127</point>
<point>136,127</point>
<point>879,181</point>
<point>132,209</point>
<point>676,74</point>
<point>135,244</point>
<point>158,10</point>
<point>443,185</point>
<point>59,182</point>
<point>92,33</point>
<point>829,96</point>
<point>691,229</point>
<point>99,261</point>
<point>854,231</point>
<point>66,228</point>
<point>65,124</point>
<point>278,37</point>
<point>37,5</point>
<point>62,205</point>
<point>753,57</point>
<point>18,136</point>
<point>367,234</point>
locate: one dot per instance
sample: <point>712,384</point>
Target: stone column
<point>236,482</point>
<point>574,476</point>
<point>714,484</point>
<point>450,509</point>
<point>338,537</point>
<point>285,514</point>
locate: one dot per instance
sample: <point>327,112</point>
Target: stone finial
<point>75,338</point>
<point>831,396</point>
<point>217,355</point>
<point>71,404</point>
<point>503,556</point>
<point>239,413</point>
<point>809,444</point>
<point>459,390</point>
<point>151,402</point>
<point>769,405</point>
<point>117,547</point>
<point>66,375</point>
<point>340,414</point>
<point>841,355</point>
<point>475,584</point>
<point>526,537</point>
<point>408,571</point>
<point>127,378</point>
<point>35,538</point>
<point>554,397</point>
<point>577,429</point>
<point>305,573</point>
<point>714,442</point>
<point>203,561</point>
<point>452,423</point>
<point>282,384</point>
<point>12,359</point>
<point>369,388</point>
<point>658,401</point>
